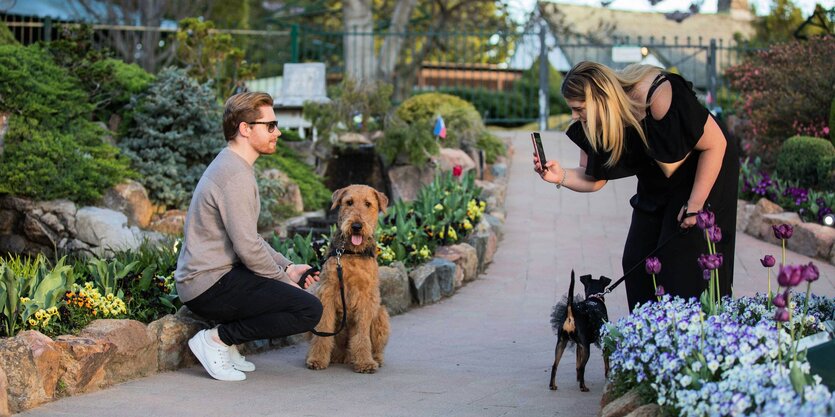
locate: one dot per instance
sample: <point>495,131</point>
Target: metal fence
<point>495,72</point>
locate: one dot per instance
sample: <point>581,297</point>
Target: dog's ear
<point>585,279</point>
<point>605,280</point>
<point>382,201</point>
<point>337,196</point>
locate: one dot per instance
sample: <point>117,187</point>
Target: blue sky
<point>521,7</point>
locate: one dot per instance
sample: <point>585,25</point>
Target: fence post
<point>294,43</point>
<point>711,74</point>
<point>47,29</point>
<point>543,80</point>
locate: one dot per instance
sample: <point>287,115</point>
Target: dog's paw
<point>316,365</point>
<point>584,388</point>
<point>553,387</point>
<point>366,368</point>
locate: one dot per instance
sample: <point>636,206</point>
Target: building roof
<point>588,33</point>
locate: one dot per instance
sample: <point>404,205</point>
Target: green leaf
<point>798,378</point>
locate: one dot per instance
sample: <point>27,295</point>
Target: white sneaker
<point>239,362</point>
<point>214,358</point>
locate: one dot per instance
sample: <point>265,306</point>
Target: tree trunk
<point>358,40</point>
<point>390,53</point>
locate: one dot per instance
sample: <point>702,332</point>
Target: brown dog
<point>362,342</point>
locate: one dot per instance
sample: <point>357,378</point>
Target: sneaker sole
<point>198,353</point>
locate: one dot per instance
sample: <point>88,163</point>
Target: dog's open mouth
<point>356,240</point>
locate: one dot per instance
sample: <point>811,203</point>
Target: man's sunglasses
<point>271,126</point>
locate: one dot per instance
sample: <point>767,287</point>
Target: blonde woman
<point>645,122</point>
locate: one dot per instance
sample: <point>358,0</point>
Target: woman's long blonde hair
<point>609,107</point>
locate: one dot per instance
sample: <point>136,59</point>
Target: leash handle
<point>312,270</point>
<point>344,321</point>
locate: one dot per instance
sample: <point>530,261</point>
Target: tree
<point>779,25</point>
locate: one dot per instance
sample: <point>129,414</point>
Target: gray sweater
<point>221,229</point>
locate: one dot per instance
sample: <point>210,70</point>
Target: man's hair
<point>242,107</point>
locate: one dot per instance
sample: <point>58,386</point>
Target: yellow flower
<point>452,234</point>
<point>467,224</point>
<point>33,323</point>
<point>424,252</point>
<point>25,300</point>
<point>438,207</point>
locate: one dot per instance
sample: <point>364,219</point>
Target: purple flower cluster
<point>797,194</point>
<point>789,277</point>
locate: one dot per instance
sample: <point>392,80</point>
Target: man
<point>226,271</point>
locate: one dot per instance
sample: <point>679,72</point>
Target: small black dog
<point>579,321</point>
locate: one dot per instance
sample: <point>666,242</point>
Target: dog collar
<point>596,297</point>
<point>368,252</point>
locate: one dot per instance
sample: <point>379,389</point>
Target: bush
<point>785,90</point>
<point>807,160</point>
<point>52,149</point>
<point>115,83</point>
<point>491,145</point>
<point>353,108</point>
<point>832,122</point>
<point>174,133</point>
<point>510,106</point>
<point>528,85</point>
<point>314,193</point>
<point>413,141</point>
<point>6,36</point>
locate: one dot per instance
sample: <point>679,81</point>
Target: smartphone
<point>537,146</point>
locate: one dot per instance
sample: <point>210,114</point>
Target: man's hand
<point>295,272</point>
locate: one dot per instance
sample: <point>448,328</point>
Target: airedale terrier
<point>362,342</point>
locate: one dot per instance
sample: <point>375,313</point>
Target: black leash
<point>681,231</point>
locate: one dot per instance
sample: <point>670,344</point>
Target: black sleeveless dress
<point>658,199</point>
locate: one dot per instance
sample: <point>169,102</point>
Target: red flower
<point>457,170</point>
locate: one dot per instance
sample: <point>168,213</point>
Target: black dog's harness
<point>338,252</point>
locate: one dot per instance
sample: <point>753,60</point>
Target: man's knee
<point>313,313</point>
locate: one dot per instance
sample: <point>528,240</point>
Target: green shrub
<point>807,160</point>
<point>6,36</point>
<point>175,132</point>
<point>463,123</point>
<point>413,141</point>
<point>314,193</point>
<point>491,145</point>
<point>290,136</point>
<point>353,108</point>
<point>832,121</point>
<point>35,87</point>
<point>528,86</point>
<point>510,106</point>
<point>115,83</point>
<point>46,164</point>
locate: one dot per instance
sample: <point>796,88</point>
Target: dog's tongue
<point>356,240</point>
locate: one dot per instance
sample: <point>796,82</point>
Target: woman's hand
<point>552,172</point>
<point>295,272</point>
<point>686,218</point>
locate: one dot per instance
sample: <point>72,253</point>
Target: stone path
<point>485,352</point>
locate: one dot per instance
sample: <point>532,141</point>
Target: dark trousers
<point>250,307</point>
<point>680,272</point>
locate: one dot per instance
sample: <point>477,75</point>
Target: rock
<point>465,258</point>
<point>16,203</point>
<point>171,222</point>
<point>646,410</point>
<point>9,220</point>
<point>493,193</point>
<point>394,288</point>
<point>424,285</point>
<point>172,333</point>
<point>445,275</point>
<point>38,232</point>
<point>105,229</point>
<point>608,395</point>
<point>496,224</point>
<point>130,198</point>
<point>64,210</point>
<point>135,354</point>
<point>744,211</point>
<point>763,207</point>
<point>32,363</point>
<point>812,240</point>
<point>354,138</point>
<point>479,242</point>
<point>448,158</point>
<point>291,195</point>
<point>83,363</point>
<point>499,170</point>
<point>12,244</point>
<point>406,180</point>
<point>766,233</point>
<point>622,406</point>
<point>5,411</point>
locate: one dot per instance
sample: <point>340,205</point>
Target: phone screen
<point>537,144</point>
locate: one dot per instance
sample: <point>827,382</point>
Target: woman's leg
<point>641,240</point>
<point>251,307</point>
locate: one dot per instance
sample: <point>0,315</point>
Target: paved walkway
<point>485,352</point>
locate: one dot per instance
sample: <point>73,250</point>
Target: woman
<point>645,122</point>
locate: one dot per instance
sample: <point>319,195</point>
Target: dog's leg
<point>340,348</point>
<point>562,341</point>
<point>359,344</point>
<point>582,359</point>
<point>319,354</point>
<point>380,334</point>
<point>605,365</point>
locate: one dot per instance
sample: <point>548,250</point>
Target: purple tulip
<point>714,234</point>
<point>708,262</point>
<point>790,276</point>
<point>768,261</point>
<point>705,219</point>
<point>780,300</point>
<point>653,265</point>
<point>659,291</point>
<point>782,231</point>
<point>781,315</point>
<point>810,272</point>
